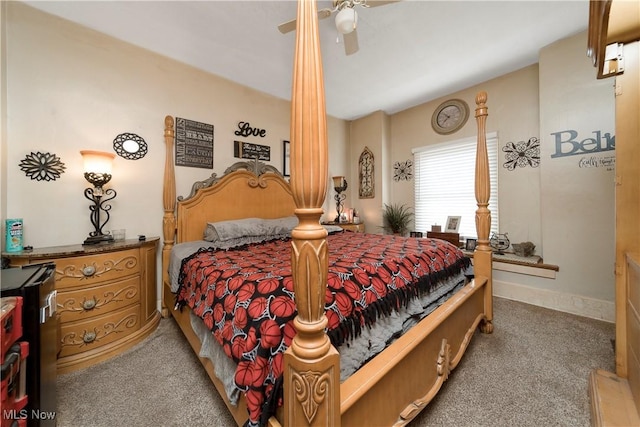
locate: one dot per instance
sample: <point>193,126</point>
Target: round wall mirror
<point>130,146</point>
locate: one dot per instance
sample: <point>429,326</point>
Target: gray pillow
<point>249,227</point>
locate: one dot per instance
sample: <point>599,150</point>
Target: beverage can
<point>14,242</point>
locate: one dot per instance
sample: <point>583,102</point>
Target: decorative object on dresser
<point>453,224</point>
<point>470,244</point>
<point>396,218</point>
<point>130,146</point>
<point>106,297</point>
<point>340,185</point>
<point>97,170</point>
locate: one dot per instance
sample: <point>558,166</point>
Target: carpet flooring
<point>532,371</point>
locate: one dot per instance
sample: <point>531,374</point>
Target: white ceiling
<point>410,52</point>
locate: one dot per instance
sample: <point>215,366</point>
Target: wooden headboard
<point>239,193</point>
<point>249,189</point>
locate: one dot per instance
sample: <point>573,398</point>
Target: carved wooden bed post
<point>169,203</point>
<point>483,254</point>
<point>311,364</point>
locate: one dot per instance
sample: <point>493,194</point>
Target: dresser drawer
<point>86,335</point>
<point>356,228</point>
<point>94,301</point>
<point>90,269</point>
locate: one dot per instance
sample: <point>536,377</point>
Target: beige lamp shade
<point>98,162</point>
<point>338,181</point>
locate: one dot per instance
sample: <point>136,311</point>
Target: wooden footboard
<point>415,366</point>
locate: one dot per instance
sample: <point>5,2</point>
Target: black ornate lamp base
<point>95,240</point>
<point>97,196</point>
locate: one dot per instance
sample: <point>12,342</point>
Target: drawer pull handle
<point>89,337</point>
<point>89,270</point>
<point>89,304</point>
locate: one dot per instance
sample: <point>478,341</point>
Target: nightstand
<point>350,226</point>
<point>106,300</point>
<point>449,237</point>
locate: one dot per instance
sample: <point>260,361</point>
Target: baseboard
<point>568,303</point>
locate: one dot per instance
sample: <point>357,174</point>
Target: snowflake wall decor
<point>42,166</point>
<point>403,171</point>
<point>522,154</point>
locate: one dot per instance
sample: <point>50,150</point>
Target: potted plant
<point>396,218</point>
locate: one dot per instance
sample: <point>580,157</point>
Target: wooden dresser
<point>106,297</point>
<point>449,237</point>
<point>356,228</point>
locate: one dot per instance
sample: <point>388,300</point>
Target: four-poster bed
<point>393,386</point>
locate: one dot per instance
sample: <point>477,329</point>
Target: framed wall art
<point>286,158</point>
<point>194,144</point>
<point>366,177</point>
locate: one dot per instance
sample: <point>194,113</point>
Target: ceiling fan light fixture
<point>346,20</point>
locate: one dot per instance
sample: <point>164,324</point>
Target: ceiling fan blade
<point>351,42</point>
<point>376,3</point>
<point>324,13</point>
<point>289,26</point>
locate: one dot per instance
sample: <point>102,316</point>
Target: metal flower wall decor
<point>403,171</point>
<point>522,154</point>
<point>42,166</point>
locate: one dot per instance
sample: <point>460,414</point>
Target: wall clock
<point>450,116</point>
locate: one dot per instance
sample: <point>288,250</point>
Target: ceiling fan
<point>346,20</point>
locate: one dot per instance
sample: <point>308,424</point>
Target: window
<point>445,184</point>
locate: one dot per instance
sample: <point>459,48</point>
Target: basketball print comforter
<point>245,296</point>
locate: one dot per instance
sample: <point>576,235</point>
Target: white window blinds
<point>445,184</point>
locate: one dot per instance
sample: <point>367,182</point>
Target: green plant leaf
<point>396,218</point>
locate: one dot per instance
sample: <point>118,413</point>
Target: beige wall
<point>71,88</point>
<point>564,209</point>
<point>513,114</point>
<point>66,88</point>
<point>577,190</point>
<point>372,132</point>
